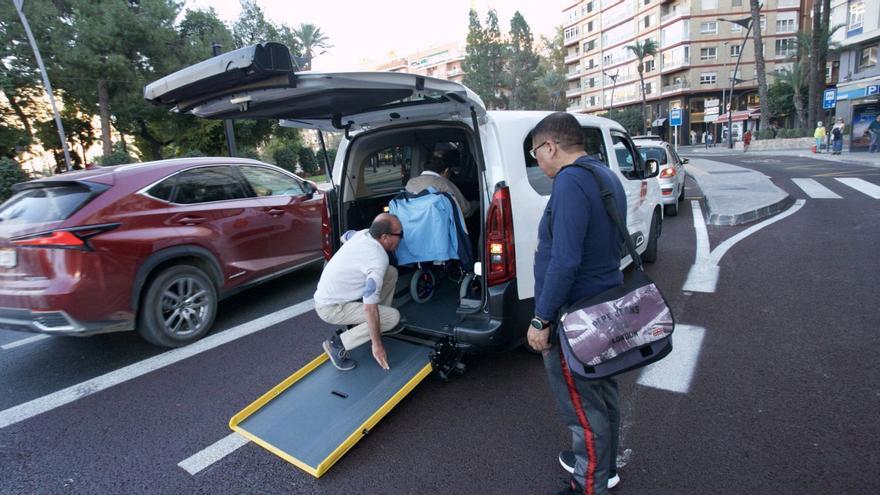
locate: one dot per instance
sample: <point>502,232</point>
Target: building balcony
<point>574,74</point>
<point>571,41</point>
<point>575,108</point>
<point>572,58</point>
<point>670,88</point>
<point>676,64</point>
<point>569,93</point>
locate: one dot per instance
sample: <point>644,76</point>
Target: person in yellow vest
<point>819,135</point>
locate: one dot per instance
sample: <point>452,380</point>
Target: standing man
<point>693,137</point>
<point>578,256</point>
<point>874,129</point>
<point>360,270</point>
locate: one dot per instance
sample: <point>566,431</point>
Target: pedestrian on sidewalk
<point>819,136</point>
<point>710,141</point>
<point>705,140</point>
<point>837,137</point>
<point>874,130</point>
<point>693,137</point>
<point>578,256</point>
<point>747,140</point>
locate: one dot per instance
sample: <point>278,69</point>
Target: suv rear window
<point>207,184</point>
<point>51,203</point>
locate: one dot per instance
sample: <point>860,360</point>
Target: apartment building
<point>858,90</point>
<point>444,62</point>
<point>694,64</point>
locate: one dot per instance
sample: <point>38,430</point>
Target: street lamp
<point>27,29</point>
<point>613,85</point>
<point>746,23</point>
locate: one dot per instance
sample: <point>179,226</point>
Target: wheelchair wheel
<point>421,287</point>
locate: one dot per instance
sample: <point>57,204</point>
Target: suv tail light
<point>667,172</point>
<point>326,229</point>
<point>76,238</point>
<point>499,239</point>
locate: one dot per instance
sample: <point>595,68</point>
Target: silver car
<point>672,172</point>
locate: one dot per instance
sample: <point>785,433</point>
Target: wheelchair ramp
<point>316,415</point>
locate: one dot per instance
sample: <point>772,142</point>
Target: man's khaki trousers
<point>352,313</point>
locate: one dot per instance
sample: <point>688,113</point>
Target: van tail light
<point>499,239</point>
<point>667,172</point>
<point>326,229</point>
<point>76,238</point>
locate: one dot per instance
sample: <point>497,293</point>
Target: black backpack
<point>835,132</point>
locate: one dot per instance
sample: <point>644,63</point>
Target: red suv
<point>152,246</point>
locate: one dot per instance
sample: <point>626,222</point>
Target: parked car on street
<point>150,246</point>
<point>672,173</point>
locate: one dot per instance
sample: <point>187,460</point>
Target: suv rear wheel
<point>178,307</point>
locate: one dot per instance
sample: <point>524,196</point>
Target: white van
<point>392,122</point>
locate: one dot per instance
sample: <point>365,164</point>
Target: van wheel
<point>178,307</point>
<point>650,254</point>
<point>421,286</point>
<point>670,210</point>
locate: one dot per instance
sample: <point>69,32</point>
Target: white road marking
<point>703,275</point>
<point>862,186</point>
<point>70,394</point>
<point>675,371</point>
<point>815,190</point>
<point>220,449</point>
<point>29,340</point>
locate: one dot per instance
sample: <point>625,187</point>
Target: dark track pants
<point>590,410</point>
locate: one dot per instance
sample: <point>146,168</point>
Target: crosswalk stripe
<point>675,371</point>
<point>815,190</point>
<point>862,186</point>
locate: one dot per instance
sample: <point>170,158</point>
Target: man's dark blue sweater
<point>581,256</point>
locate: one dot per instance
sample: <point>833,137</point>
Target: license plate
<point>7,258</point>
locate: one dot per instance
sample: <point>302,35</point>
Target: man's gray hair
<point>382,224</point>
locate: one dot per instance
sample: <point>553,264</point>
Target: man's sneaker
<point>613,481</point>
<point>338,355</point>
<point>567,460</point>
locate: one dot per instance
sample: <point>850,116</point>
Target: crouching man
<point>357,288</point>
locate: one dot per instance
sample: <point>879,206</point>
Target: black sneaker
<point>338,355</point>
<point>567,460</point>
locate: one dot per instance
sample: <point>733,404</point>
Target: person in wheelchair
<point>436,236</point>
<point>435,173</point>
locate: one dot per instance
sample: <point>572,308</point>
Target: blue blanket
<point>432,228</point>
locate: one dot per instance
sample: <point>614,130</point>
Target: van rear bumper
<point>500,329</point>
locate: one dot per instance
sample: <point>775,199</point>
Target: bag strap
<point>608,200</point>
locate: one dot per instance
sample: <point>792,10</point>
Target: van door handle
<point>275,212</point>
<point>192,220</point>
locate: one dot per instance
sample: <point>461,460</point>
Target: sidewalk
<point>859,158</point>
<point>736,195</point>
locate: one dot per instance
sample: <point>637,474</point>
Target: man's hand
<point>539,340</point>
<point>380,356</point>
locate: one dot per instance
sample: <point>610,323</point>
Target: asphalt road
<point>783,396</point>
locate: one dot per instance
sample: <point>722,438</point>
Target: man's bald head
<point>384,223</point>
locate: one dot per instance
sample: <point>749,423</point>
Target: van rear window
<point>51,203</point>
<point>594,147</point>
<point>387,170</point>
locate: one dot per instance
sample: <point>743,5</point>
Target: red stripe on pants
<point>585,424</point>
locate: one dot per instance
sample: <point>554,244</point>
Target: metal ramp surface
<point>316,415</point>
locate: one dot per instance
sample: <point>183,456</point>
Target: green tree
<point>310,39</point>
<point>252,27</point>
<point>286,158</point>
<point>523,71</point>
<point>781,99</point>
<point>631,118</point>
<point>758,42</point>
<point>496,51</point>
<point>10,174</point>
<point>307,161</point>
<point>643,49</point>
<point>476,60</point>
<point>552,73</point>
<point>797,79</point>
<point>119,156</point>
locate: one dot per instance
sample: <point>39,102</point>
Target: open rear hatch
<point>259,82</point>
<point>315,416</point>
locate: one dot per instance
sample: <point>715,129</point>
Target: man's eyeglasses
<point>534,151</point>
<point>396,234</point>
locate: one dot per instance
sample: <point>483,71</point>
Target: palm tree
<point>797,78</point>
<point>642,49</point>
<point>311,38</point>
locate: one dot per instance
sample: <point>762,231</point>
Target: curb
<point>749,216</point>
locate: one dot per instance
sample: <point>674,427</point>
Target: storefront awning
<point>658,122</point>
<point>740,116</point>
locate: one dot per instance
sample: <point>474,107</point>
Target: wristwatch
<point>539,324</point>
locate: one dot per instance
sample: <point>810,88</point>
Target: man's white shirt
<point>355,272</point>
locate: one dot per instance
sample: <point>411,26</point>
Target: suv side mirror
<point>653,168</point>
<point>685,161</point>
